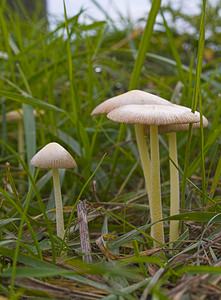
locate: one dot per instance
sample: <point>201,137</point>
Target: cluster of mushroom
<point>146,110</point>
<point>149,114</point>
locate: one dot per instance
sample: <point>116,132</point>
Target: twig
<point>84,233</point>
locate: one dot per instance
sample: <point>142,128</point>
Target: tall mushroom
<point>54,156</point>
<point>130,98</point>
<point>174,172</point>
<point>153,115</point>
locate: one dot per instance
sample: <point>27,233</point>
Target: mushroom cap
<point>14,115</point>
<point>128,98</point>
<point>17,115</point>
<point>53,156</point>
<point>153,114</point>
<point>181,127</point>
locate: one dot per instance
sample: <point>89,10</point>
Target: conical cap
<point>128,98</point>
<point>53,156</point>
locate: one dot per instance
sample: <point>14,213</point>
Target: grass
<point>66,72</point>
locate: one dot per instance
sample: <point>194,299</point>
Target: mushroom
<point>17,116</point>
<point>153,115</point>
<point>174,172</point>
<point>54,156</point>
<point>130,98</point>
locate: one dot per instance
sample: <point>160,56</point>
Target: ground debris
<point>201,287</point>
<point>60,289</point>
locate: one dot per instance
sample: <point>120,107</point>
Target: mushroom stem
<point>157,231</point>
<point>21,139</point>
<point>174,187</point>
<point>144,155</point>
<point>58,204</point>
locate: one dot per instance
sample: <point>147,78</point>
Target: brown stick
<point>84,232</point>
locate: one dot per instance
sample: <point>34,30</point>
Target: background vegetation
<point>66,72</point>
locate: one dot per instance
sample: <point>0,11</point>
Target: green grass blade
<point>29,123</point>
<point>216,178</point>
<point>144,44</point>
<point>200,51</point>
<point>204,217</point>
<point>28,99</point>
<point>134,79</point>
<point>30,133</point>
<point>140,58</point>
<point>213,270</point>
<point>3,124</point>
<point>196,98</point>
<point>173,49</point>
<point>74,99</point>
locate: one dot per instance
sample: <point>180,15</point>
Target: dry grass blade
<point>84,232</point>
<point>62,289</point>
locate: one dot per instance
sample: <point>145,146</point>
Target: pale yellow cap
<point>14,115</point>
<point>53,156</point>
<point>152,115</point>
<point>182,127</point>
<point>17,115</point>
<point>128,98</point>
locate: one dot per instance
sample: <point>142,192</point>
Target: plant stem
<point>157,231</point>
<point>58,204</point>
<point>84,231</point>
<point>174,187</point>
<point>21,139</point>
<point>144,154</point>
<point>21,152</point>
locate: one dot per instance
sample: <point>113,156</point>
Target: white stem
<point>144,154</point>
<point>21,146</point>
<point>21,152</point>
<point>174,187</point>
<point>58,204</point>
<point>157,231</point>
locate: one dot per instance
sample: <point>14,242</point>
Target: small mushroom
<point>154,116</point>
<point>54,156</point>
<point>17,116</point>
